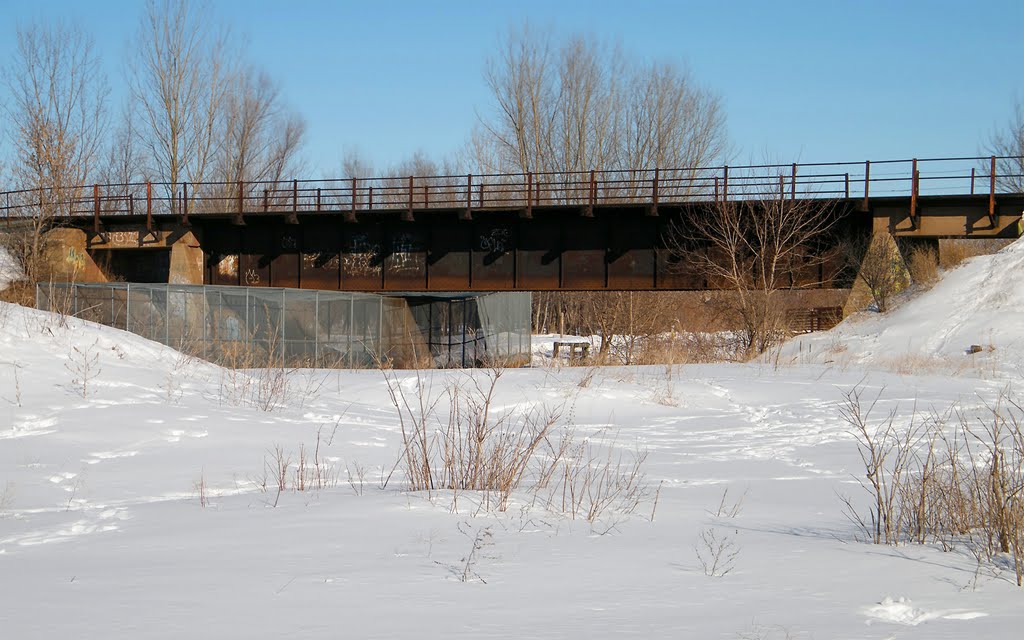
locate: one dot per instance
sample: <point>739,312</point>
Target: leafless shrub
<point>356,474</point>
<point>879,265</point>
<point>923,266</point>
<point>729,508</point>
<point>83,364</point>
<point>716,552</point>
<point>956,485</point>
<point>592,481</point>
<point>886,452</point>
<point>465,570</point>
<point>200,488</point>
<point>952,252</point>
<point>453,439</point>
<point>277,464</point>
<point>15,368</point>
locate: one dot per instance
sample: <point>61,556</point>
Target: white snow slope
<point>9,270</point>
<point>103,533</point>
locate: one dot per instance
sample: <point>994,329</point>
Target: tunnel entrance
<point>134,265</point>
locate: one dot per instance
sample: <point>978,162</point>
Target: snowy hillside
<point>9,269</point>
<point>139,494</point>
<point>981,302</point>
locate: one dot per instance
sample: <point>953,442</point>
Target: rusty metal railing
<point>525,191</point>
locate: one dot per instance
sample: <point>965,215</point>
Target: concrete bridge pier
<point>136,254</point>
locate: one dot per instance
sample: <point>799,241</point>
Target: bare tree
<point>123,164</point>
<point>584,105</point>
<point>261,138</point>
<point>178,77</point>
<point>57,111</point>
<point>754,248</point>
<point>1009,145</point>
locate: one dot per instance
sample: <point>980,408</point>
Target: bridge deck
<point>546,231</point>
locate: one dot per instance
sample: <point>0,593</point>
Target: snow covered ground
<point>9,269</point>
<point>104,532</point>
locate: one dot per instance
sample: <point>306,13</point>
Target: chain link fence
<point>260,326</point>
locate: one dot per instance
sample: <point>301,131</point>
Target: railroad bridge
<point>595,230</point>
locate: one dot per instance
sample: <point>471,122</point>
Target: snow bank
<point>147,506</point>
<point>10,271</point>
<point>980,302</point>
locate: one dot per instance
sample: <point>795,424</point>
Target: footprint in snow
<point>902,611</point>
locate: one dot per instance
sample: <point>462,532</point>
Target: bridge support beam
<point>884,257</point>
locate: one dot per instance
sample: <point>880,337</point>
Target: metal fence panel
<point>255,327</point>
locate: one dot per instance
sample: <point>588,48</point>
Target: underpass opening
<point>134,265</point>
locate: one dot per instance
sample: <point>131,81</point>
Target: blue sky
<point>807,81</point>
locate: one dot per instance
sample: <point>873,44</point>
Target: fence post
<point>913,192</point>
<point>725,183</point>
<point>241,203</point>
<point>655,194</point>
<point>96,208</point>
<point>468,213</point>
<point>184,204</point>
<point>867,182</point>
<point>792,186</point>
<point>992,191</point>
<point>293,218</point>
